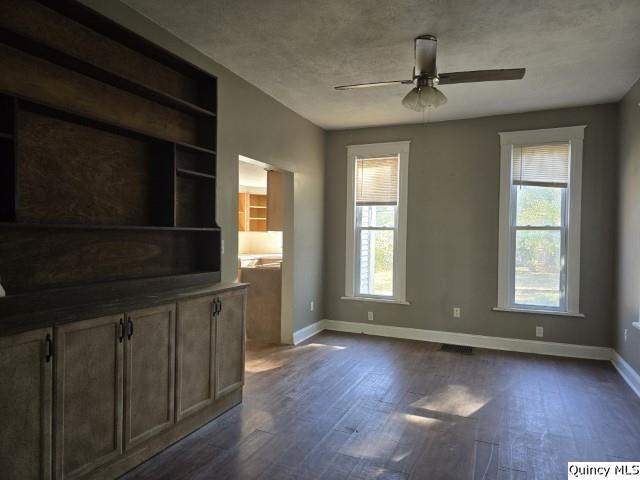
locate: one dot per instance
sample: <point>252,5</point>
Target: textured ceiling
<point>576,52</point>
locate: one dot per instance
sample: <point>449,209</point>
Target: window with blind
<point>539,234</point>
<point>376,214</point>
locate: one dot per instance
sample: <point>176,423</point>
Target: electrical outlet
<point>456,312</point>
<point>370,316</point>
<point>311,306</point>
<point>625,334</point>
<point>539,332</point>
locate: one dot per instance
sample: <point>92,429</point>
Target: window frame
<point>352,269</point>
<point>570,224</point>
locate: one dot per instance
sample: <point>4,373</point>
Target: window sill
<point>538,312</point>
<point>379,300</point>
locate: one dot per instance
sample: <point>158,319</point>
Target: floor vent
<point>446,347</point>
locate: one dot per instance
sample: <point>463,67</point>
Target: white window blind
<point>377,181</point>
<point>541,165</point>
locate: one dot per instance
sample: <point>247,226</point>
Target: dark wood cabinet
<point>111,391</point>
<point>230,342</point>
<point>150,373</point>
<point>195,355</point>
<point>88,399</point>
<point>25,405</point>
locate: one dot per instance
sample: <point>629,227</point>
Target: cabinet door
<point>195,355</point>
<point>25,406</point>
<point>275,201</point>
<point>88,395</point>
<point>149,377</point>
<point>230,341</point>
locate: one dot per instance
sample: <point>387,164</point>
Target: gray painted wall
<point>252,123</point>
<point>452,245</point>
<point>629,230</point>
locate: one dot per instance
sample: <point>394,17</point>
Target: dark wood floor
<point>346,406</point>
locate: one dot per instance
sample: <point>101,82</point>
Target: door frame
<point>286,298</point>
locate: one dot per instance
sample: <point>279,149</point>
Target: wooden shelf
<point>193,148</point>
<point>192,173</point>
<point>106,227</point>
<point>70,62</point>
<point>90,120</point>
<point>257,206</point>
<point>257,218</point>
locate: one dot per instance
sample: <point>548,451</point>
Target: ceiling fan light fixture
<point>412,100</point>
<point>421,98</point>
<point>432,97</point>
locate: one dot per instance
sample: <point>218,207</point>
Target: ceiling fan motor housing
<point>425,57</point>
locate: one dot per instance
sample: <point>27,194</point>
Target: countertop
<point>260,261</point>
<point>48,308</point>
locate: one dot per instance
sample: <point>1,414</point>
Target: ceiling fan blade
<point>426,48</point>
<point>374,84</point>
<point>481,76</point>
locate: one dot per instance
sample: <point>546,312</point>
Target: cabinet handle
<point>219,306</point>
<point>121,330</point>
<point>130,324</point>
<point>48,349</point>
<point>215,307</point>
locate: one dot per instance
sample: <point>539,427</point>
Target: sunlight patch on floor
<point>419,420</point>
<point>453,400</point>
<point>266,364</point>
<point>324,345</point>
<point>263,366</point>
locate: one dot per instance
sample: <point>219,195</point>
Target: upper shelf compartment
<point>78,65</point>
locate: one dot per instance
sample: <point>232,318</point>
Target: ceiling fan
<point>426,77</point>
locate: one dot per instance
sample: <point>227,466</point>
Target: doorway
<point>265,234</point>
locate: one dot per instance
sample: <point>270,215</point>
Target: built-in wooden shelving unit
<point>107,153</point>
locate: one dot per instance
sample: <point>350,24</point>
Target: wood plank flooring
<point>345,406</point>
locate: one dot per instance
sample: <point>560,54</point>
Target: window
<point>376,221</point>
<point>539,239</point>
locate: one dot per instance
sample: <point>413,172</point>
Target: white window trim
<point>400,252</point>
<point>574,135</point>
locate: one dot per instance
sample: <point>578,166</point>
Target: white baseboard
<point>308,331</point>
<point>627,372</point>
<point>479,341</point>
